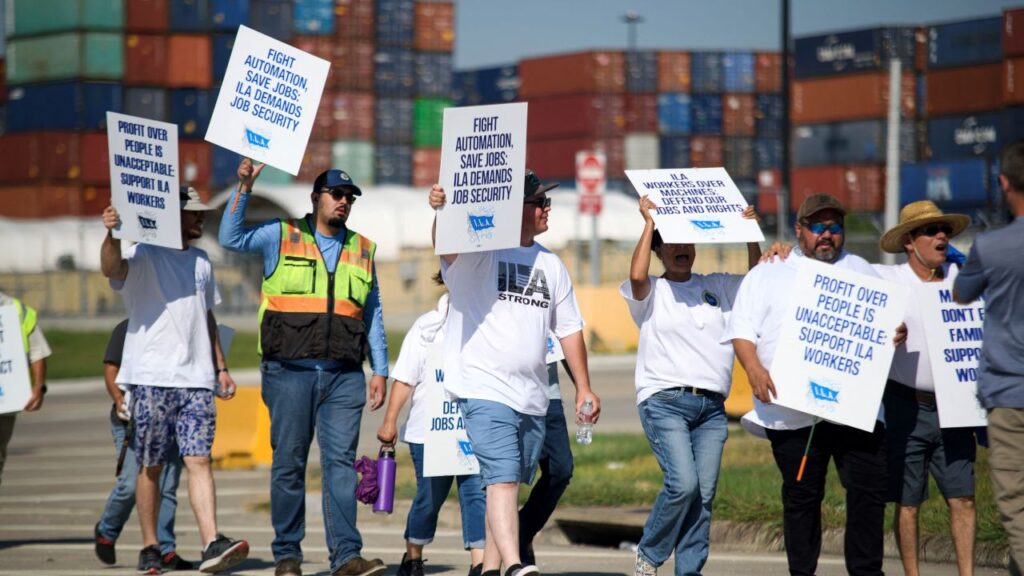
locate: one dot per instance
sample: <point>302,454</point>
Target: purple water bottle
<point>385,481</point>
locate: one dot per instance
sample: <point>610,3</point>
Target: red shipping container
<point>53,201</point>
<point>858,188</point>
<point>641,113</point>
<point>353,20</point>
<point>1013,32</point>
<point>673,71</point>
<point>738,114</point>
<point>565,116</point>
<point>59,156</point>
<point>580,73</point>
<point>352,65</point>
<point>964,90</point>
<point>189,61</point>
<point>353,115</point>
<point>146,15</point>
<point>556,159</point>
<point>769,183</point>
<point>768,72</point>
<point>20,201</point>
<point>850,97</point>
<point>319,46</point>
<point>93,160</point>
<point>21,157</point>
<point>316,160</point>
<point>1013,89</point>
<point>145,59</point>
<point>426,163</point>
<point>323,124</point>
<point>194,161</point>
<point>706,151</point>
<point>921,48</point>
<point>94,200</point>
<point>435,27</point>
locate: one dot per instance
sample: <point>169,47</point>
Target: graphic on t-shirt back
<point>523,284</point>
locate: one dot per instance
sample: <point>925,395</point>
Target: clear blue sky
<point>494,32</point>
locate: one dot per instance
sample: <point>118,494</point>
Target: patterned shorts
<point>163,415</point>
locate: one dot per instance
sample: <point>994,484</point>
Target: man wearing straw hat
<point>915,442</point>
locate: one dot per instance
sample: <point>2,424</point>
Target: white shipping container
<point>642,151</point>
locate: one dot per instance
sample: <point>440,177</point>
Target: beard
<point>336,222</point>
<point>829,255</point>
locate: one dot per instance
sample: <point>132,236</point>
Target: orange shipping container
<point>738,114</point>
<point>769,183</point>
<point>858,188</point>
<point>673,71</point>
<point>52,200</point>
<point>352,65</point>
<point>194,165</point>
<point>189,61</point>
<point>1013,81</point>
<point>596,115</point>
<point>768,72</point>
<point>323,124</point>
<point>1013,32</point>
<point>706,151</point>
<point>145,59</point>
<point>353,20</point>
<point>353,115</point>
<point>435,27</point>
<point>851,97</point>
<point>556,159</point>
<point>963,90</point>
<point>581,73</point>
<point>426,162</point>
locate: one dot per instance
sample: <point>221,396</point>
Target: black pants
<point>861,462</point>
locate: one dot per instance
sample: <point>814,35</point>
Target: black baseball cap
<point>816,203</point>
<point>331,179</point>
<point>534,186</point>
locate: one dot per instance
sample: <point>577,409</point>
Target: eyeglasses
<point>544,202</point>
<point>933,229</point>
<point>339,193</point>
<point>819,228</point>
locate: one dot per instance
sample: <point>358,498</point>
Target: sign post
<point>591,170</point>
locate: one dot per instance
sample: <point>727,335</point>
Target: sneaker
<point>288,567</point>
<point>359,566</point>
<point>521,570</point>
<point>643,568</point>
<point>410,567</point>
<point>171,561</point>
<point>149,560</point>
<point>104,547</point>
<point>223,553</point>
<point>477,570</point>
<point>489,572</point>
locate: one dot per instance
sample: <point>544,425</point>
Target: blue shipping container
<point>314,17</point>
<point>394,22</point>
<point>464,88</point>
<point>224,167</point>
<point>229,14</point>
<point>767,154</point>
<point>146,103</point>
<point>854,51</point>
<point>641,71</point>
<point>768,115</point>
<point>738,71</point>
<point>393,120</point>
<point>706,72</point>
<point>965,43</point>
<point>738,155</point>
<point>394,72</point>
<point>392,164</point>
<point>191,110</point>
<point>62,106</point>
<point>859,142</point>
<point>706,113</point>
<point>433,74</point>
<point>272,17</point>
<point>497,85</point>
<point>674,114</point>
<point>189,15</point>
<point>674,151</point>
<point>220,52</point>
<point>955,137</point>
<point>961,184</point>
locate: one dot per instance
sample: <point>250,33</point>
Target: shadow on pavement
<point>5,544</point>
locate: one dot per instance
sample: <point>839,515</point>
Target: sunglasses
<point>544,202</point>
<point>933,229</point>
<point>819,228</point>
<point>339,193</point>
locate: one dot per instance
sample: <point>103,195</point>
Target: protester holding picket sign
<point>915,442</point>
<point>683,375</point>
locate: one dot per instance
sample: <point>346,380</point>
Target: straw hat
<point>916,215</point>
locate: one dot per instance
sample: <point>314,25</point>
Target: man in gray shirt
<point>995,271</point>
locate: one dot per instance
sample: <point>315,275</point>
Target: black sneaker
<point>223,553</point>
<point>477,570</point>
<point>520,570</point>
<point>360,566</point>
<point>171,561</point>
<point>526,555</point>
<point>104,547</point>
<point>410,567</point>
<point>489,572</point>
<point>149,560</point>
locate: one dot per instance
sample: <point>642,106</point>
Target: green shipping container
<point>30,17</point>
<point>428,121</point>
<point>271,175</point>
<point>76,55</point>
<point>356,158</point>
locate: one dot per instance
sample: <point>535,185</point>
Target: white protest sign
<point>835,347</point>
<point>15,383</point>
<point>227,337</point>
<point>696,205</point>
<point>483,168</point>
<point>954,347</point>
<point>446,447</point>
<point>268,100</point>
<point>144,179</point>
<point>554,350</point>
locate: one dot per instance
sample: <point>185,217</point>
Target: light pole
<point>631,19</point>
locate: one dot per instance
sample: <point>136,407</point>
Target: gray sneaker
<point>223,553</point>
<point>643,568</point>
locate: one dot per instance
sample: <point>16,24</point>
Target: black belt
<point>920,396</point>
<point>700,392</point>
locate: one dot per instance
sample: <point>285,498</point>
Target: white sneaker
<point>643,568</point>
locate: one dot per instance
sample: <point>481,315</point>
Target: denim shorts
<point>506,443</point>
<point>164,416</point>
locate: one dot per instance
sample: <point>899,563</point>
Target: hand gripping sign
<point>268,100</point>
<point>446,447</point>
<point>696,205</point>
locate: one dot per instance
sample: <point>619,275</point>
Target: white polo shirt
<point>411,367</point>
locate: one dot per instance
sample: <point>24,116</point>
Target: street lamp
<point>631,19</point>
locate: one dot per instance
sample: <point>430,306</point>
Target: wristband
<point>219,370</point>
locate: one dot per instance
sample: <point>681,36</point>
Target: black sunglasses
<point>933,229</point>
<point>339,193</point>
<point>544,202</point>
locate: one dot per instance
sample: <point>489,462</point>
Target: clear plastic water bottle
<point>585,425</point>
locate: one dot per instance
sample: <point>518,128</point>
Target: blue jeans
<point>687,434</point>
<point>122,497</point>
<point>506,443</point>
<point>302,399</point>
<point>555,473</point>
<point>431,494</point>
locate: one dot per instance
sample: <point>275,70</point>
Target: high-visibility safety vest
<point>308,313</point>
<point>27,315</point>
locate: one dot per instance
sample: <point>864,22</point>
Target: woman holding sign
<point>415,375</point>
<point>683,375</point>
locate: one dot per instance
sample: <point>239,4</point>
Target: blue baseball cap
<point>335,179</point>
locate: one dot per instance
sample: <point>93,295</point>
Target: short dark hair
<point>437,278</point>
<point>1011,165</point>
<point>656,240</point>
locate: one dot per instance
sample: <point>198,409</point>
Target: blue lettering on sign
<point>824,393</point>
<point>2,395</point>
<point>707,224</point>
<point>147,223</point>
<point>466,447</point>
<point>482,222</point>
<point>257,140</point>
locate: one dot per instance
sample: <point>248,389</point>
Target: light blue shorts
<point>507,443</point>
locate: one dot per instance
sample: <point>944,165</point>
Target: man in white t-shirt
<point>172,361</point>
<point>754,328</point>
<point>503,304</point>
<point>915,441</point>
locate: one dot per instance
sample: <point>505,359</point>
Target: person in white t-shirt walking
<point>172,361</point>
<point>503,304</point>
<point>915,441</point>
<point>683,375</point>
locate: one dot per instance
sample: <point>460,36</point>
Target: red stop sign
<point>590,180</point>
